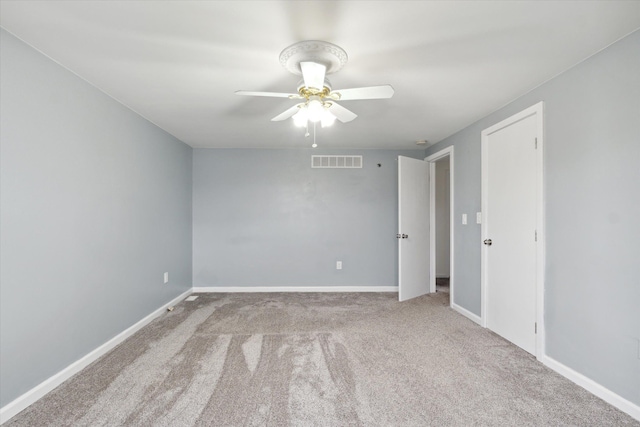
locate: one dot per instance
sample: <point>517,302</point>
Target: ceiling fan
<point>314,59</point>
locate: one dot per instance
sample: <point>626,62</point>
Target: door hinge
<point>535,327</point>
<point>536,143</point>
<point>536,235</point>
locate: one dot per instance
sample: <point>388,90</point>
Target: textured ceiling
<point>178,63</point>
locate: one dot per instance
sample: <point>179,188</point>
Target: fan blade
<point>271,94</point>
<point>341,113</point>
<point>290,112</point>
<point>313,74</point>
<point>371,92</point>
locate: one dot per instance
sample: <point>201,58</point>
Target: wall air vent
<point>336,162</point>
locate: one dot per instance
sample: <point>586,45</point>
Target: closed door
<point>413,228</point>
<point>510,179</point>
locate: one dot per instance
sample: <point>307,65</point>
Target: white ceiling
<point>178,63</point>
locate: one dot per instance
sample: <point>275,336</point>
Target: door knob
<point>488,242</point>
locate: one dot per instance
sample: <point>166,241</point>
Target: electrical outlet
<point>166,277</point>
<point>464,219</point>
<point>338,265</point>
<point>478,217</point>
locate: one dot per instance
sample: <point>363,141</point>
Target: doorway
<point>441,224</point>
<point>512,229</point>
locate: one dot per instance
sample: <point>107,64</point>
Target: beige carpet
<point>318,360</point>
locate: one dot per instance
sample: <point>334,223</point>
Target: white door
<point>413,231</point>
<point>509,197</point>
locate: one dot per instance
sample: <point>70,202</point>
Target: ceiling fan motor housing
<point>305,92</point>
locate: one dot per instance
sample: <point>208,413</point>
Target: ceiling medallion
<point>328,54</point>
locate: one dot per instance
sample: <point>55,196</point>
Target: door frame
<point>432,159</point>
<point>538,111</point>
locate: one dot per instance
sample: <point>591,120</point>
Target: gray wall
<point>265,218</point>
<point>95,206</point>
<point>592,212</point>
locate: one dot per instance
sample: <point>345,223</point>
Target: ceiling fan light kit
<point>314,60</point>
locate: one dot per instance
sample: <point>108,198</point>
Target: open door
<point>413,228</point>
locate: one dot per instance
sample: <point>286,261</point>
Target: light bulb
<point>315,110</point>
<point>328,119</point>
<point>300,118</point>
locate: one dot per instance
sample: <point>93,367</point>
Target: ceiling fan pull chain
<point>314,145</point>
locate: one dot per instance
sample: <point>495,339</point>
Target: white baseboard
<point>593,387</point>
<point>466,313</point>
<point>234,289</point>
<point>13,408</point>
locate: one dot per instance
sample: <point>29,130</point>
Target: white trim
<point>538,111</point>
<point>466,313</point>
<point>448,151</point>
<point>541,232</point>
<point>22,402</point>
<point>239,289</point>
<point>432,227</point>
<point>593,387</point>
